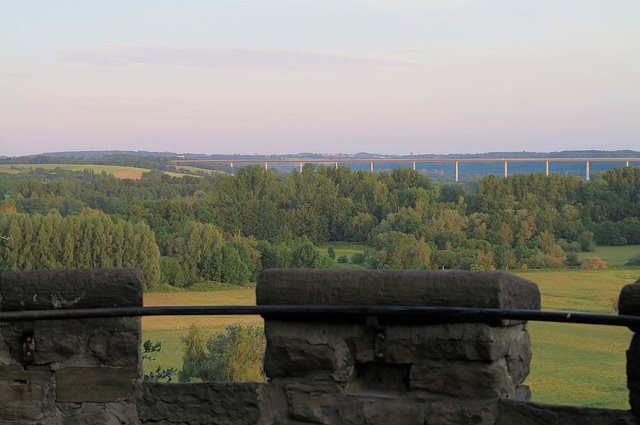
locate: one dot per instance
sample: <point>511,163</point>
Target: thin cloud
<point>230,58</point>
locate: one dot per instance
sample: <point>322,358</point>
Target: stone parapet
<point>73,371</point>
<point>326,367</point>
<point>629,304</point>
<point>366,370</point>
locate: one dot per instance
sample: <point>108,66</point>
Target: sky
<point>324,76</point>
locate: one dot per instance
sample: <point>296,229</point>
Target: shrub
<point>633,261</point>
<point>357,258</point>
<point>343,259</point>
<point>234,355</point>
<point>593,263</point>
<point>331,252</point>
<point>543,261</point>
<point>572,259</point>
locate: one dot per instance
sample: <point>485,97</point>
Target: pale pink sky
<point>320,76</point>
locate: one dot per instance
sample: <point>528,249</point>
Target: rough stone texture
<point>86,342</point>
<point>629,300</point>
<point>365,372</point>
<point>527,413</point>
<point>64,289</point>
<point>385,287</point>
<point>221,403</point>
<point>459,341</point>
<point>22,401</point>
<point>629,304</point>
<point>24,373</point>
<point>463,379</point>
<point>94,413</point>
<point>462,412</point>
<point>95,385</point>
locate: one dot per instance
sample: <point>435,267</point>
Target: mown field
<point>582,365</point>
<point>116,170</point>
<point>614,256</point>
<point>578,365</point>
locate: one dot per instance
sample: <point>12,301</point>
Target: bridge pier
<point>456,171</point>
<point>547,168</point>
<point>505,169</point>
<point>587,170</point>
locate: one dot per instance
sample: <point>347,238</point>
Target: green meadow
<point>118,171</point>
<point>580,365</point>
<point>614,256</point>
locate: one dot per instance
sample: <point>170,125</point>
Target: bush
<point>593,263</point>
<point>342,259</point>
<point>357,258</point>
<point>633,261</point>
<point>543,261</point>
<point>331,252</point>
<point>234,355</point>
<point>572,259</point>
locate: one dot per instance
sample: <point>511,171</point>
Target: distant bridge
<point>413,161</point>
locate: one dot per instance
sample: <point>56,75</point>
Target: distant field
<point>614,256</point>
<point>117,171</point>
<point>169,329</point>
<point>344,248</point>
<point>577,365</point>
<point>196,170</point>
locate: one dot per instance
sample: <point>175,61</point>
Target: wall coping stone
<point>70,289</point>
<point>391,287</point>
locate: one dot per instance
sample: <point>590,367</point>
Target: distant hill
<point>441,171</point>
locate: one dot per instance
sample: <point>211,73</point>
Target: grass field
<point>344,248</point>
<point>614,256</point>
<point>170,329</point>
<point>579,365</point>
<point>117,171</point>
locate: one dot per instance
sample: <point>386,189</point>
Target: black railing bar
<point>457,314</point>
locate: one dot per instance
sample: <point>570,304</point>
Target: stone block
<point>65,289</point>
<point>629,300</point>
<point>22,401</point>
<point>96,413</point>
<point>296,357</point>
<point>27,373</point>
<point>528,413</point>
<point>298,349</point>
<point>114,348</point>
<point>456,411</point>
<point>523,392</point>
<point>384,287</point>
<point>95,385</point>
<point>460,341</point>
<point>79,342</point>
<point>380,378</point>
<point>309,407</point>
<point>463,379</point>
<point>394,411</point>
<point>221,403</point>
<point>519,356</point>
<point>633,370</point>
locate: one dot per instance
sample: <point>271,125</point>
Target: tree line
<point>229,227</point>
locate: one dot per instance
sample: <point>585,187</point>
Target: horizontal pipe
<point>455,314</point>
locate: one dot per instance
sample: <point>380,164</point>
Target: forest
<point>227,228</point>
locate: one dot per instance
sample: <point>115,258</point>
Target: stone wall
<point>338,370</point>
